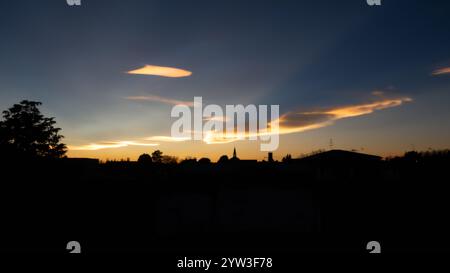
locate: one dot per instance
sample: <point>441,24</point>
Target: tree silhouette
<point>145,159</point>
<point>204,161</point>
<point>287,158</point>
<point>223,159</point>
<point>25,131</point>
<point>157,156</point>
<point>170,160</point>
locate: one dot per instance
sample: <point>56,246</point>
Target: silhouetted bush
<point>223,159</point>
<point>145,159</point>
<point>204,161</point>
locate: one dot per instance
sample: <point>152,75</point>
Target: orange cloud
<point>292,122</point>
<point>160,99</point>
<point>441,71</point>
<point>296,122</point>
<point>167,139</point>
<point>161,71</point>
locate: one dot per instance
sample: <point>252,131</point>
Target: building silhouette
<point>234,158</point>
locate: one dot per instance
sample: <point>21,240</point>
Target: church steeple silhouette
<point>234,158</point>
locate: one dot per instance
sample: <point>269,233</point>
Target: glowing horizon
<point>289,123</point>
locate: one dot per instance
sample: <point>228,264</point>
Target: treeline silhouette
<point>329,201</point>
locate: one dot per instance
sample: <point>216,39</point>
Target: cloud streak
<point>296,121</point>
<point>293,122</point>
<point>441,71</point>
<point>153,98</point>
<point>110,145</point>
<point>167,139</point>
<point>162,71</point>
<point>289,123</point>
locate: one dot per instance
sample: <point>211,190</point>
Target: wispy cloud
<point>110,145</point>
<point>297,121</point>
<point>154,98</point>
<point>378,93</point>
<point>441,71</point>
<point>301,121</point>
<point>289,123</point>
<point>162,71</point>
<point>167,139</point>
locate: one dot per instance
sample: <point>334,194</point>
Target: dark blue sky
<point>298,54</point>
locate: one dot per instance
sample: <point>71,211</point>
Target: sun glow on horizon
<point>289,123</point>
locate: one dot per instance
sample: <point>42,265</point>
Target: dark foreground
<point>317,205</point>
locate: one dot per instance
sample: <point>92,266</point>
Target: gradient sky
<point>307,56</point>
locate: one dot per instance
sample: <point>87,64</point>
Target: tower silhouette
<point>270,157</point>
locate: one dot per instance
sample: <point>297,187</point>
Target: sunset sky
<point>373,79</point>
